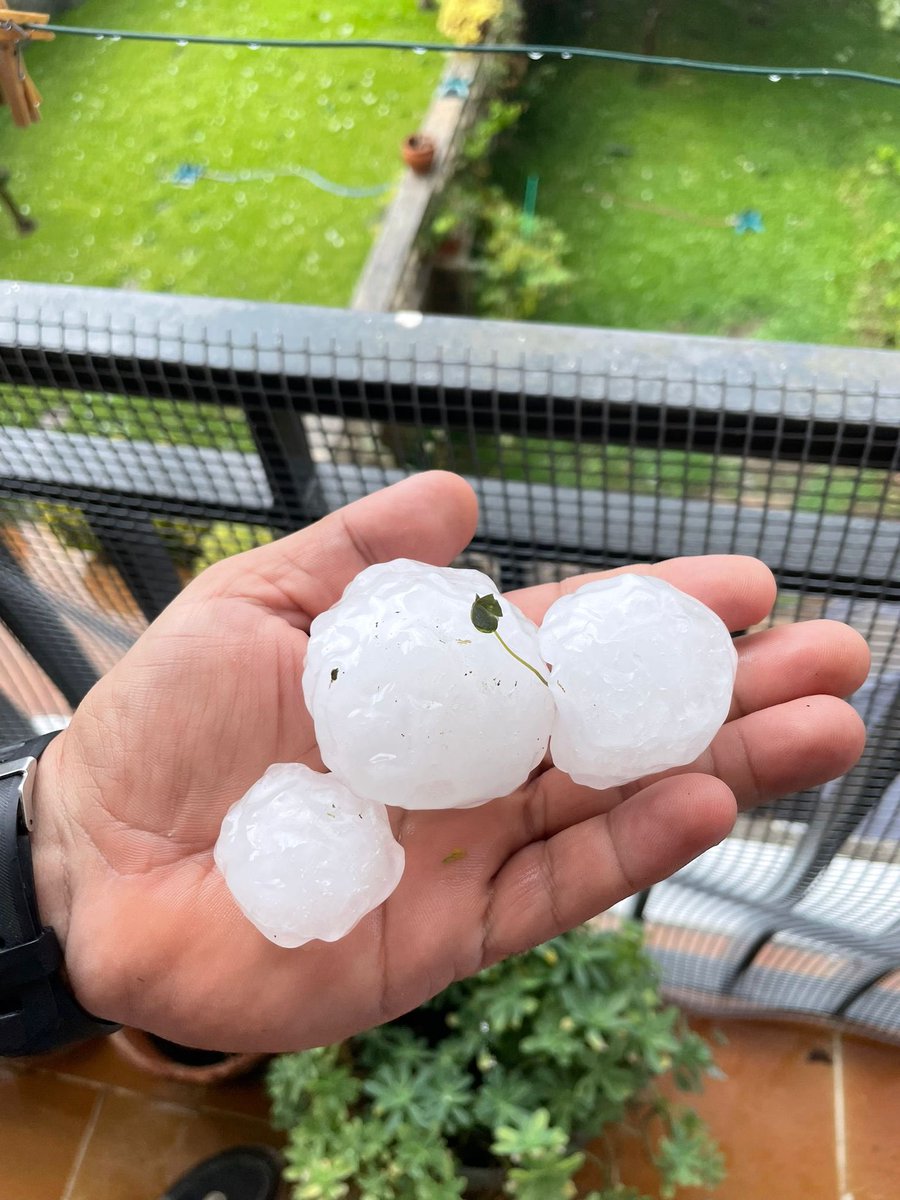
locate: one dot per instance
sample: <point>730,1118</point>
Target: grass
<point>119,118</point>
<point>643,175</point>
<point>675,474</point>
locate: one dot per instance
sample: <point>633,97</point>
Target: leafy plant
<point>520,261</point>
<point>504,1080</point>
<point>224,538</point>
<point>500,115</point>
<point>465,21</point>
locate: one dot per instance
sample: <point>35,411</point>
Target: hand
<point>130,798</point>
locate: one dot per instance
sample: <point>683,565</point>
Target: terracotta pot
<point>419,151</point>
<point>166,1060</point>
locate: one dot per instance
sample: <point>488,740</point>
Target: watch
<point>38,1012</point>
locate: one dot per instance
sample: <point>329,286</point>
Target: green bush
<point>518,1069</point>
<point>520,261</point>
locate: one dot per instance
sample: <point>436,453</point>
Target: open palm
<point>130,799</point>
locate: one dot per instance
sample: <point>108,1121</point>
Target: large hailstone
<point>304,858</point>
<point>642,676</point>
<point>413,705</point>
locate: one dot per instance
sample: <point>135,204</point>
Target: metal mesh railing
<point>142,438</point>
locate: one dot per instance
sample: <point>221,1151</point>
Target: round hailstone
<point>642,677</point>
<point>304,858</point>
<point>415,706</point>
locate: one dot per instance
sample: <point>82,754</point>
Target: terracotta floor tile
<point>872,1103</point>
<point>42,1121</point>
<point>773,1117</point>
<point>98,1061</point>
<point>140,1146</point>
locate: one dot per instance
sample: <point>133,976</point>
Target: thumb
<point>430,517</point>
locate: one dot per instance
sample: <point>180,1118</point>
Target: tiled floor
<point>88,1126</point>
<point>801,1115</point>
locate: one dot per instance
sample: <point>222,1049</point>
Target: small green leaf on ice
<point>486,613</point>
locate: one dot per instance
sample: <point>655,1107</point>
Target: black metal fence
<point>143,437</point>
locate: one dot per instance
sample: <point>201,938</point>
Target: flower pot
<point>166,1060</point>
<point>419,152</point>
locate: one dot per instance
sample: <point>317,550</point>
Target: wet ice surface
<point>412,705</point>
<point>304,858</point>
<point>642,676</point>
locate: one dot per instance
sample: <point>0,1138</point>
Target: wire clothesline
<point>532,51</point>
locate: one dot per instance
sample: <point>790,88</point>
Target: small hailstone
<point>304,858</point>
<point>642,676</point>
<point>412,704</point>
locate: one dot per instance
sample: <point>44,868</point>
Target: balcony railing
<point>142,436</point>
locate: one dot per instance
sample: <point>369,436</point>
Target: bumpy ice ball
<point>304,858</point>
<point>413,705</point>
<point>642,677</point>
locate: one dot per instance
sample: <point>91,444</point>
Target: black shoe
<point>241,1173</point>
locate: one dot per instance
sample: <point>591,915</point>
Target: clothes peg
<point>16,86</point>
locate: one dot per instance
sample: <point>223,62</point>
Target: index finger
<point>741,590</point>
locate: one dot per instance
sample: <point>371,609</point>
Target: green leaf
<point>687,1156</point>
<point>486,613</point>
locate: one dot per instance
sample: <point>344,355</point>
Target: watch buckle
<point>25,768</point>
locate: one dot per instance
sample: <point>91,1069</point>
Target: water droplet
<point>419,50</point>
<point>369,99</point>
<point>774,79</point>
<point>115,38</point>
<point>535,55</point>
<point>67,277</point>
<point>334,238</point>
<point>566,55</point>
<point>383,110</point>
<point>253,45</point>
<point>346,31</point>
<point>77,97</point>
<point>100,37</point>
<point>348,123</point>
<point>325,17</point>
<point>334,125</point>
<point>182,42</point>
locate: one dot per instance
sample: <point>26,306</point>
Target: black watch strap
<point>38,1012</point>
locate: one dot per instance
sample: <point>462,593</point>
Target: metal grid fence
<point>142,438</point>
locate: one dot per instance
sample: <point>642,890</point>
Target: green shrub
<point>517,1069</point>
<point>520,260</point>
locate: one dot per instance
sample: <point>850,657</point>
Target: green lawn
<point>119,118</point>
<point>643,175</point>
